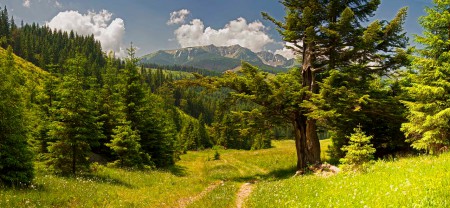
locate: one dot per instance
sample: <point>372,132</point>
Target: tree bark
<point>312,142</point>
<point>306,139</point>
<point>299,124</point>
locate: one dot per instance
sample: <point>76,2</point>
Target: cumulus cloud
<point>287,52</point>
<point>251,35</point>
<point>109,33</point>
<point>178,17</point>
<point>26,3</point>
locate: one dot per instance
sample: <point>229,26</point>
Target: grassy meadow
<point>199,181</point>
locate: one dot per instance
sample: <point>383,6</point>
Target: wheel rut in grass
<point>184,202</point>
<point>243,194</point>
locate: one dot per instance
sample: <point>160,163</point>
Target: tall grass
<point>410,182</point>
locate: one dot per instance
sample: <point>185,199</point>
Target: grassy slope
<point>175,74</point>
<point>421,181</point>
<point>113,188</point>
<point>33,75</point>
<point>409,182</point>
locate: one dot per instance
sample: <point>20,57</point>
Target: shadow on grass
<point>278,174</point>
<point>105,179</point>
<point>24,188</point>
<point>177,170</point>
<point>274,175</point>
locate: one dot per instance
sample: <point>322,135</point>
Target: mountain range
<point>219,58</point>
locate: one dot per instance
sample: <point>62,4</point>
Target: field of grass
<point>409,182</point>
<point>199,181</point>
<point>194,173</point>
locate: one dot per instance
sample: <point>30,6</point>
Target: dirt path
<point>184,202</point>
<point>243,194</point>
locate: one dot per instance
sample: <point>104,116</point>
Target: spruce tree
<point>125,143</point>
<point>332,36</point>
<point>75,126</point>
<point>147,115</point>
<point>204,140</point>
<point>16,165</point>
<point>428,125</point>
<point>359,151</point>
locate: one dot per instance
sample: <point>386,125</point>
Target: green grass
<point>108,187</point>
<point>409,182</point>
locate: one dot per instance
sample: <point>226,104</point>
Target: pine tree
<point>16,165</point>
<point>204,140</point>
<point>331,36</point>
<point>359,151</point>
<point>110,104</point>
<point>147,115</point>
<point>125,143</point>
<point>428,125</point>
<point>75,127</point>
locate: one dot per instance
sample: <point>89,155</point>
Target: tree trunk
<point>312,142</point>
<point>307,141</point>
<point>74,159</point>
<point>299,124</point>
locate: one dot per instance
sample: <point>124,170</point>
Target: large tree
<point>147,115</point>
<point>428,125</point>
<point>331,35</point>
<point>75,126</point>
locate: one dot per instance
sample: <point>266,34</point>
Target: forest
<point>364,97</point>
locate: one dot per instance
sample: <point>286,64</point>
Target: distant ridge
<point>219,58</point>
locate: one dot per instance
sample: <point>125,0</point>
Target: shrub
<point>359,151</point>
<point>217,155</point>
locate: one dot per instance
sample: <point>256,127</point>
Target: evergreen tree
<point>330,35</point>
<point>111,104</point>
<point>359,151</point>
<point>428,125</point>
<point>16,165</point>
<point>125,143</point>
<point>147,115</point>
<point>204,140</point>
<point>75,128</point>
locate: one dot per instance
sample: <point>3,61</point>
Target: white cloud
<point>287,52</point>
<point>109,33</point>
<point>178,17</point>
<point>251,35</point>
<point>26,3</point>
<point>56,3</point>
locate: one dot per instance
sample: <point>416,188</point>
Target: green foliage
<point>16,167</point>
<point>125,143</point>
<point>359,151</point>
<point>147,115</point>
<point>428,125</point>
<point>75,127</point>
<point>216,155</point>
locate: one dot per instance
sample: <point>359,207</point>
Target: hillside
<point>33,75</point>
<point>218,58</point>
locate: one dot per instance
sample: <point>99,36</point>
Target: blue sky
<point>145,22</point>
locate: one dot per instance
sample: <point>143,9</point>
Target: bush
<point>359,152</point>
<point>217,155</point>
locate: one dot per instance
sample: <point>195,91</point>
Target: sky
<point>169,24</point>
